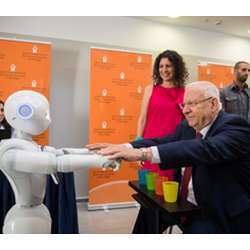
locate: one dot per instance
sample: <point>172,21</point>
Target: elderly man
<point>220,160</point>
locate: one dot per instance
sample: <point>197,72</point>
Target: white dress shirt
<point>156,159</point>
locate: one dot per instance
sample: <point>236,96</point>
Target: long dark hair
<point>4,122</point>
<point>180,70</point>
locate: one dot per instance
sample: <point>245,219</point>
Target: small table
<point>147,198</point>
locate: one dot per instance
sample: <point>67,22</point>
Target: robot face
<point>28,111</point>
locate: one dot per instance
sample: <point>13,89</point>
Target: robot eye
<point>25,111</point>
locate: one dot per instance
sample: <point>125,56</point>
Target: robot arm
<point>77,151</point>
<point>30,162</point>
<point>71,159</point>
<point>49,163</point>
<point>69,163</point>
<point>52,150</point>
<point>66,151</point>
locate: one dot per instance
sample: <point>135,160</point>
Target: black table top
<point>180,207</point>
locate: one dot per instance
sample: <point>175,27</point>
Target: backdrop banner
<point>25,65</point>
<point>219,74</point>
<point>117,82</point>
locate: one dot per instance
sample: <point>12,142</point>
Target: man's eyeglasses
<point>193,104</point>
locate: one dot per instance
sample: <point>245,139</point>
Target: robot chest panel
<point>15,147</point>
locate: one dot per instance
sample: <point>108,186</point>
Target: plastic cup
<point>142,176</point>
<point>158,184</point>
<point>170,191</point>
<point>150,181</point>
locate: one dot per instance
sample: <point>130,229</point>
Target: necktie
<point>186,178</point>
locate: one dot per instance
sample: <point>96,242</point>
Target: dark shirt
<point>236,100</point>
<point>5,133</point>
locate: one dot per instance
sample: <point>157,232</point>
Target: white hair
<point>209,89</point>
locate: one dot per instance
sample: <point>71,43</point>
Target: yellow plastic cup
<point>170,191</point>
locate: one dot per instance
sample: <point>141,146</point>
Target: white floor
<point>112,221</point>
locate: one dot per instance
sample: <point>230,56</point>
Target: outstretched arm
<point>71,159</point>
<point>49,163</point>
<point>77,151</point>
<point>63,151</point>
<point>69,163</point>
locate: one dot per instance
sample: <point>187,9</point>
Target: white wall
<point>133,33</point>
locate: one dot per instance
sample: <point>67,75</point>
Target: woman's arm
<point>144,107</point>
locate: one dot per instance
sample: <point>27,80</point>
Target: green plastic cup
<point>170,191</point>
<point>150,181</point>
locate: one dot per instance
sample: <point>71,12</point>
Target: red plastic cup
<point>158,184</point>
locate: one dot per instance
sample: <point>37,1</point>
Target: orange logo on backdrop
<point>25,65</point>
<point>117,82</point>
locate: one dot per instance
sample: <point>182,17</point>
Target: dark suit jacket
<point>221,169</point>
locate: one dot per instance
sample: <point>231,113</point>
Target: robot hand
<point>72,162</point>
<point>114,165</point>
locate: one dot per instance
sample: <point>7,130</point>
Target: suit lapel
<point>214,125</point>
<point>194,170</point>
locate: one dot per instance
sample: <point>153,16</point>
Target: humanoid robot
<point>26,163</point>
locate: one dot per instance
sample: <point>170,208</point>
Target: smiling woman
<point>170,69</point>
<point>160,113</point>
<point>165,95</point>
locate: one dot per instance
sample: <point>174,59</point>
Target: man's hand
<point>98,146</point>
<point>131,154</point>
<point>125,154</point>
<point>112,149</point>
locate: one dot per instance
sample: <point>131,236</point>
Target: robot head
<point>27,111</point>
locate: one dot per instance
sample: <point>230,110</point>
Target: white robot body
<point>26,178</point>
<point>28,215</point>
<point>27,220</point>
<point>26,164</point>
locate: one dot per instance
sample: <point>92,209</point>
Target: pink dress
<point>163,115</point>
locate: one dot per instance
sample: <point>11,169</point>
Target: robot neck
<point>22,135</point>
